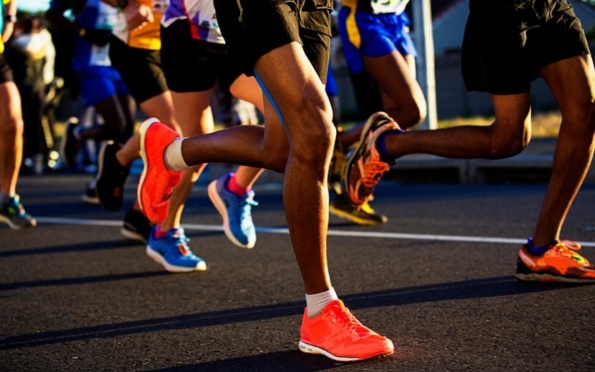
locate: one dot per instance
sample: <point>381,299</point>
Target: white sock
<point>317,302</point>
<point>173,156</point>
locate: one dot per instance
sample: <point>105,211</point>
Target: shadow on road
<point>462,290</point>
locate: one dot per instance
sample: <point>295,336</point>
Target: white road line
<point>275,230</point>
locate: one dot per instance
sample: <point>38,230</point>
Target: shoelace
<point>569,249</point>
<point>373,172</point>
<point>347,320</point>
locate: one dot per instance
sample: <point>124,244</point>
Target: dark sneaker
<point>70,145</point>
<point>337,168</point>
<point>136,226</point>
<point>342,207</point>
<point>236,212</point>
<point>560,263</point>
<point>364,167</point>
<point>173,253</point>
<point>14,215</point>
<point>90,195</point>
<point>111,176</point>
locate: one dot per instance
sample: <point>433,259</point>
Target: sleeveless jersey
<point>377,6</point>
<point>200,14</point>
<point>2,3</point>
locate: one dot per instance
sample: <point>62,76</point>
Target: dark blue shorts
<point>99,83</point>
<point>373,35</point>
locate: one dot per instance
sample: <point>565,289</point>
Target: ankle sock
<point>381,146</point>
<point>160,233</point>
<point>173,156</point>
<point>234,187</point>
<point>537,251</point>
<point>316,302</point>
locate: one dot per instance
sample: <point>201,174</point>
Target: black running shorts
<point>5,70</point>
<point>192,65</point>
<point>508,42</point>
<point>140,69</point>
<point>253,28</point>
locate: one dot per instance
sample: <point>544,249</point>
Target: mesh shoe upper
<point>157,181</point>
<point>14,215</point>
<point>236,212</point>
<point>561,262</point>
<point>364,167</point>
<point>173,253</point>
<point>337,334</point>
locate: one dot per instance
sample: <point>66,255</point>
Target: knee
<point>11,126</point>
<point>276,159</point>
<point>509,142</point>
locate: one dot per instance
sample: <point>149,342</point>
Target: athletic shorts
<point>192,65</point>
<point>508,42</point>
<point>99,83</point>
<point>140,69</point>
<point>5,70</point>
<point>253,28</point>
<point>373,35</point>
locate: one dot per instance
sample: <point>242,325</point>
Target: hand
<point>137,15</point>
<point>96,37</point>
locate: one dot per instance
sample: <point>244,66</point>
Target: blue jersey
<point>2,2</point>
<point>94,15</point>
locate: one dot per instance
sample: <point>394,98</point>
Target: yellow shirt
<point>148,37</point>
<point>4,2</point>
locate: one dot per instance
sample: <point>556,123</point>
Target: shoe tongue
<point>176,232</point>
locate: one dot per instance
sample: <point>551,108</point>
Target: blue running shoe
<point>235,211</point>
<point>173,253</point>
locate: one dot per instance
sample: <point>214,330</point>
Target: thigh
<point>253,28</point>
<point>572,82</point>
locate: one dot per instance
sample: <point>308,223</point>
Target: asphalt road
<point>437,279</point>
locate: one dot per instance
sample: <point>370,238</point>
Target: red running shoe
<point>157,181</point>
<point>337,334</point>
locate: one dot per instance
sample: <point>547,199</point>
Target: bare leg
<point>11,137</point>
<point>571,81</point>
<point>403,98</point>
<point>195,117</point>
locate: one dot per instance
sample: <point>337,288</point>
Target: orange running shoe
<point>560,263</point>
<point>337,334</point>
<point>156,181</point>
<point>364,168</point>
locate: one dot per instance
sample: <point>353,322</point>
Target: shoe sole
<point>309,349</point>
<point>133,236</point>
<point>90,200</point>
<point>14,226</point>
<point>100,167</point>
<point>220,206</point>
<point>171,268</point>
<point>536,277</point>
<point>352,218</point>
<point>141,147</point>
